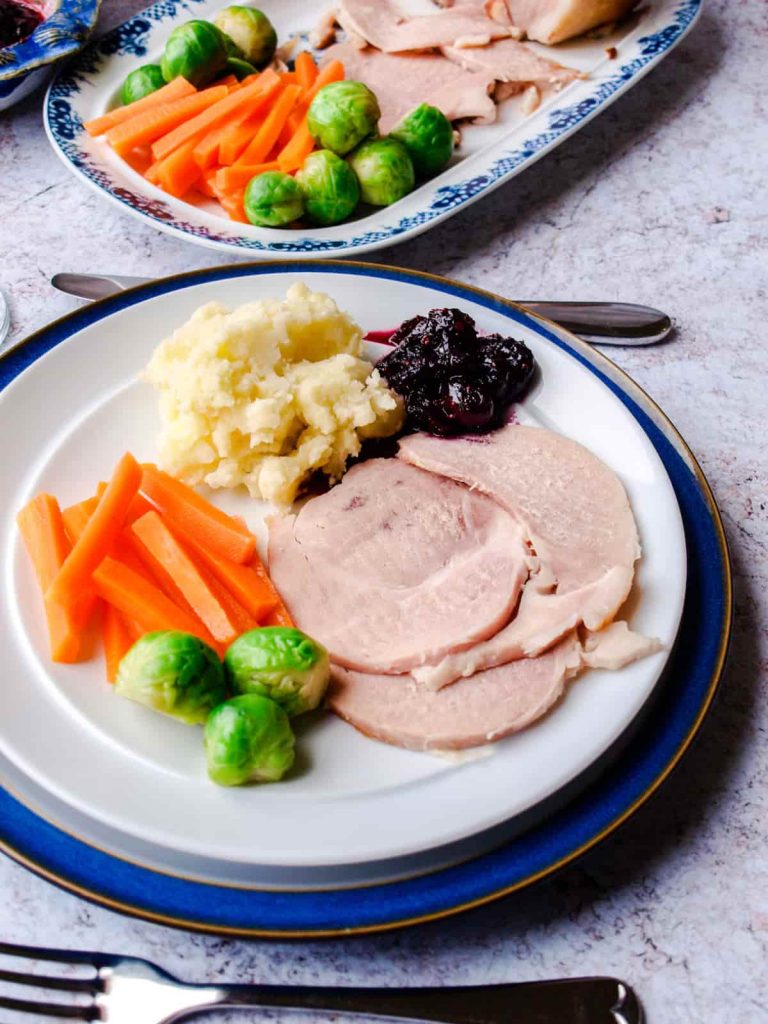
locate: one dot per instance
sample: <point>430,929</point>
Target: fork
<point>127,990</point>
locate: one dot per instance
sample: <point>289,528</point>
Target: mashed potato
<point>265,394</point>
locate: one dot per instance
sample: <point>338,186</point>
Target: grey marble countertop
<point>661,200</point>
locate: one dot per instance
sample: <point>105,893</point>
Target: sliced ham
<point>396,566</point>
<point>403,81</point>
<point>616,646</point>
<point>576,517</point>
<point>385,25</point>
<point>552,21</point>
<point>485,708</point>
<point>507,60</point>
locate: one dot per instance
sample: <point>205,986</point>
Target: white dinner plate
<point>489,154</point>
<point>353,800</point>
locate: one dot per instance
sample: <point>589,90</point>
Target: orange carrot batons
<point>42,531</point>
<point>306,70</point>
<point>175,90</point>
<point>158,121</point>
<point>118,640</point>
<point>70,589</point>
<point>195,517</point>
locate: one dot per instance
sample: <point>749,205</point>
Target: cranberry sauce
<point>17,21</point>
<point>453,380</point>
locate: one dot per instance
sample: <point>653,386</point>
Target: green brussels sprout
<point>142,82</point>
<point>248,739</point>
<point>428,136</point>
<point>384,170</point>
<point>281,663</point>
<point>342,115</point>
<point>174,673</point>
<point>251,31</point>
<point>329,186</point>
<point>239,68</point>
<point>196,51</point>
<point>273,199</point>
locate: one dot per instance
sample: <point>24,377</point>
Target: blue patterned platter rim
<point>693,675</point>
<point>60,35</point>
<point>75,96</point>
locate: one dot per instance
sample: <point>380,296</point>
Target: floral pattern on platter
<point>132,38</point>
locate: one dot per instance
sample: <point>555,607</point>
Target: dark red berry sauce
<point>17,21</point>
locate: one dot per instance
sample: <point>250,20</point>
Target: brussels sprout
<point>343,114</point>
<point>239,68</point>
<point>142,82</point>
<point>384,170</point>
<point>251,31</point>
<point>329,186</point>
<point>281,663</point>
<point>428,136</point>
<point>248,739</point>
<point>273,199</point>
<point>174,673</point>
<point>196,51</point>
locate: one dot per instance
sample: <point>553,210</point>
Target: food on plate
<point>553,21</point>
<point>473,712</point>
<point>446,629</point>
<point>273,199</point>
<point>428,136</point>
<point>384,171</point>
<point>18,20</point>
<point>578,522</point>
<point>195,51</point>
<point>385,25</point>
<point>395,566</point>
<point>342,115</point>
<point>240,68</point>
<point>281,663</point>
<point>248,739</point>
<point>147,553</point>
<point>329,186</point>
<point>267,394</point>
<point>141,82</point>
<point>251,31</point>
<point>453,380</point>
<point>173,673</point>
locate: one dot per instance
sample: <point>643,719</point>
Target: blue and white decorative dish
<point>63,31</point>
<point>490,154</point>
<point>131,821</point>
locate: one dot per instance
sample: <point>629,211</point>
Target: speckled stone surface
<point>662,200</point>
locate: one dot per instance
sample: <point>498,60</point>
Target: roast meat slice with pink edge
<point>395,567</point>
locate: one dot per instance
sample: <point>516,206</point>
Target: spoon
<point>601,323</point>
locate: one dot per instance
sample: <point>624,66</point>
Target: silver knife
<point>601,323</point>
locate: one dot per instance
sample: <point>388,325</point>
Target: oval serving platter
<point>668,728</point>
<point>490,154</point>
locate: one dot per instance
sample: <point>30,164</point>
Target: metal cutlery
<point>127,990</point>
<point>601,323</point>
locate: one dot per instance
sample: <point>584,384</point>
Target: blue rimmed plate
<point>489,154</point>
<point>562,831</point>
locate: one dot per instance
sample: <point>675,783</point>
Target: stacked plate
<point>113,803</point>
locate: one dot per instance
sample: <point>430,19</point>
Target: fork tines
<point>81,986</point>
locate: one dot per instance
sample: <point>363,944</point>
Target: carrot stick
<point>292,157</point>
<point>207,182</point>
<point>279,616</point>
<point>76,516</point>
<point>332,72</point>
<point>229,178</point>
<point>267,135</point>
<point>255,92</point>
<point>167,558</point>
<point>178,172</point>
<point>42,530</point>
<point>175,90</point>
<point>159,121</point>
<point>117,638</point>
<point>138,507</point>
<point>233,205</point>
<point>146,604</point>
<point>70,588</point>
<point>306,70</point>
<point>206,152</point>
<point>237,136</point>
<point>253,589</point>
<point>195,517</point>
<point>140,159</point>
